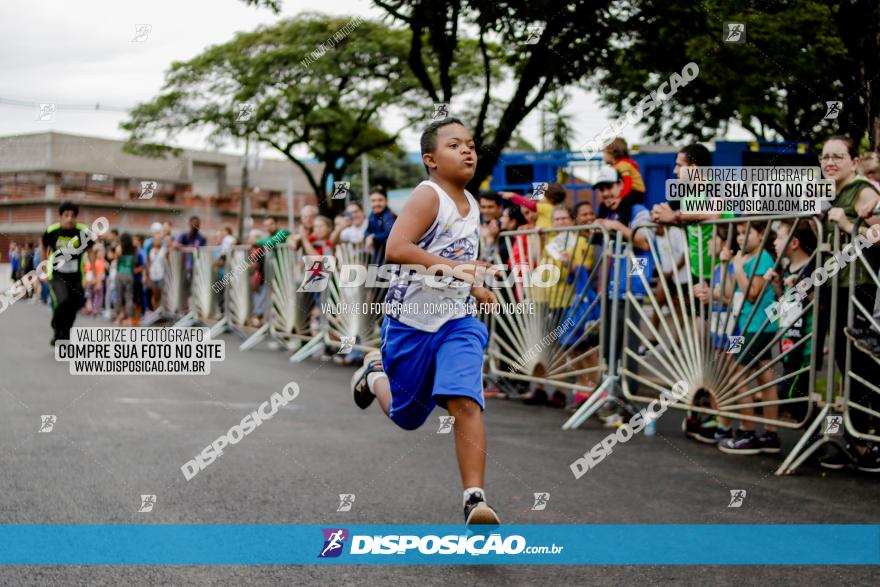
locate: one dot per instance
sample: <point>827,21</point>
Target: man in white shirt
<point>671,248</point>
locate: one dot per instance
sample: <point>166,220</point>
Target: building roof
<point>62,152</point>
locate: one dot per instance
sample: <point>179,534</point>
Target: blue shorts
<point>427,368</point>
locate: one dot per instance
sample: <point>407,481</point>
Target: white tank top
<point>429,305</point>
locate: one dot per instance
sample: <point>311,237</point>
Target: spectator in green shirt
<point>698,236</point>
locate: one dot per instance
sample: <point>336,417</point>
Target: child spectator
<point>89,284</point>
<point>616,154</point>
<point>15,261</point>
<point>127,265</point>
<point>158,260</point>
<point>140,292</point>
<point>552,197</point>
<point>795,242</point>
<point>725,304</point>
<point>869,167</point>
<point>100,280</point>
<point>110,283</point>
<point>584,214</point>
<point>750,265</point>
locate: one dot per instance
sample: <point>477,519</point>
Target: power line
<point>90,107</point>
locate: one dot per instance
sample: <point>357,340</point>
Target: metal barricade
<point>854,405</point>
<point>560,343</point>
<point>238,302</point>
<point>352,329</point>
<point>172,304</point>
<point>289,309</point>
<point>861,396</point>
<point>616,255</point>
<point>203,307</point>
<point>724,346</point>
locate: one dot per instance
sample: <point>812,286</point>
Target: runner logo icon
<point>541,500</point>
<point>334,540</point>
<point>47,423</point>
<point>346,500</point>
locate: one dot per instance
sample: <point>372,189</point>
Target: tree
<point>858,23</point>
<point>558,130</point>
<point>391,169</point>
<point>776,85</point>
<point>548,44</point>
<point>312,84</point>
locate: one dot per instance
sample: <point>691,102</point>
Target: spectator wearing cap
<point>616,217</point>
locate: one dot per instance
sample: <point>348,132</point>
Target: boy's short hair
<point>515,214</point>
<point>493,196</point>
<point>697,154</point>
<point>802,230</point>
<point>377,189</point>
<point>618,148</point>
<point>428,140</point>
<point>68,205</point>
<point>555,193</point>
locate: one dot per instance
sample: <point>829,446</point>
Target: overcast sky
<point>82,53</point>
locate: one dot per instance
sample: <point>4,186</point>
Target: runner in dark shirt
<point>65,244</point>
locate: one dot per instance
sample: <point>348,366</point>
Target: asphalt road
<point>117,437</point>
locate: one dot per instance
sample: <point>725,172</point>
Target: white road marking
<point>228,405</point>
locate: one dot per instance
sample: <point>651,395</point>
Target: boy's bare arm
<point>417,217</point>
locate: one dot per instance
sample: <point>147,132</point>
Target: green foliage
<point>775,85</point>
<point>571,45</point>
<point>558,131</point>
<point>312,88</point>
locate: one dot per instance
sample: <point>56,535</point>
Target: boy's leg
<point>458,388</point>
<point>381,388</point>
<point>769,394</point>
<point>470,440</point>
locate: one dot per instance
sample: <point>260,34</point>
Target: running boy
<point>434,356</point>
<point>69,240</point>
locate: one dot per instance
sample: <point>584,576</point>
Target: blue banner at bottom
<point>221,544</point>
